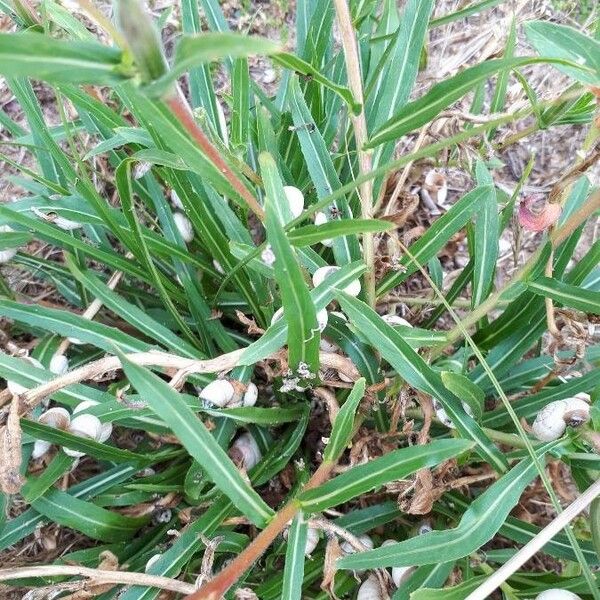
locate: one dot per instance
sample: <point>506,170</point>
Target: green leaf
<point>479,524</point>
<point>195,50</point>
<point>469,392</point>
<point>312,234</point>
<point>343,426</point>
<point>298,308</point>
<point>196,439</point>
<point>39,56</point>
<point>595,524</point>
<point>464,13</point>
<point>14,239</point>
<point>417,373</point>
<point>292,62</point>
<point>566,43</point>
<point>568,295</point>
<point>423,110</point>
<point>91,520</point>
<point>390,467</point>
<point>293,572</point>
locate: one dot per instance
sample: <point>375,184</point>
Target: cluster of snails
<point>221,393</point>
<point>82,425</point>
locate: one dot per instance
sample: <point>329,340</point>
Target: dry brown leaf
<point>11,480</point>
<point>332,553</point>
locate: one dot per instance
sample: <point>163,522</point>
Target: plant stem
<point>185,117</point>
<point>216,588</point>
<point>359,124</point>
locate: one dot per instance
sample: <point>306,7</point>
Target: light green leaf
<point>390,467</point>
<point>293,572</point>
<point>38,56</point>
<point>341,433</point>
<point>298,308</point>
<point>470,393</point>
<point>479,524</point>
<point>568,295</point>
<point>312,234</point>
<point>566,43</point>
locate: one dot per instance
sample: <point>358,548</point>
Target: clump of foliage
<point>228,406</point>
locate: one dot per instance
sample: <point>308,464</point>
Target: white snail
<point>322,317</point>
<point>7,253</point>
<point>327,346</point>
<point>268,256</point>
<point>151,561</point>
<point>245,452</point>
<point>437,186</point>
<point>395,320</point>
<point>58,418</point>
<point>399,574</point>
<point>370,589</point>
<point>106,430</point>
<point>218,393</point>
<point>339,315</point>
<point>218,266</point>
<point>184,226</point>
<point>60,222</point>
<point>551,422</point>
<point>295,200</point>
<point>312,540</point>
<point>321,219</point>
<point>85,426</point>
<point>347,548</point>
<point>353,288</point>
<point>176,200</point>
<point>442,415</point>
<point>250,395</point>
<point>556,594</point>
<point>17,389</point>
<point>59,364</point>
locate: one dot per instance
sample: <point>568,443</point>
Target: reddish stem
<point>183,114</point>
<point>216,588</point>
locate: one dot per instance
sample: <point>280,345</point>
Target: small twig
<point>359,124</point>
<point>98,575</point>
<point>536,544</point>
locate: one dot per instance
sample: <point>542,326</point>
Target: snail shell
<point>312,540</point>
<point>106,427</point>
<point>219,393</point>
<point>395,320</point>
<point>16,389</point>
<point>551,422</point>
<point>86,426</point>
<point>245,452</point>
<point>7,253</point>
<point>250,395</point>
<point>184,226</point>
<point>442,415</point>
<point>322,317</point>
<point>399,574</point>
<point>40,447</point>
<point>370,589</point>
<point>295,200</point>
<point>153,559</point>
<point>56,417</point>
<point>319,276</point>
<point>321,219</point>
<point>59,364</point>
<point>268,256</point>
<point>176,200</point>
<point>556,594</point>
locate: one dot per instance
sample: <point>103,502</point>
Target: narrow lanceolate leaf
<point>292,62</point>
<point>390,467</point>
<point>485,242</point>
<point>91,520</point>
<point>400,72</point>
<point>418,374</point>
<point>563,42</point>
<point>435,239</point>
<point>195,50</point>
<point>343,426</point>
<point>312,234</point>
<point>293,572</point>
<point>41,57</point>
<point>470,393</point>
<point>298,308</point>
<point>197,440</point>
<point>568,295</point>
<point>321,168</point>
<point>479,524</point>
<point>423,110</point>
<point>240,114</point>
